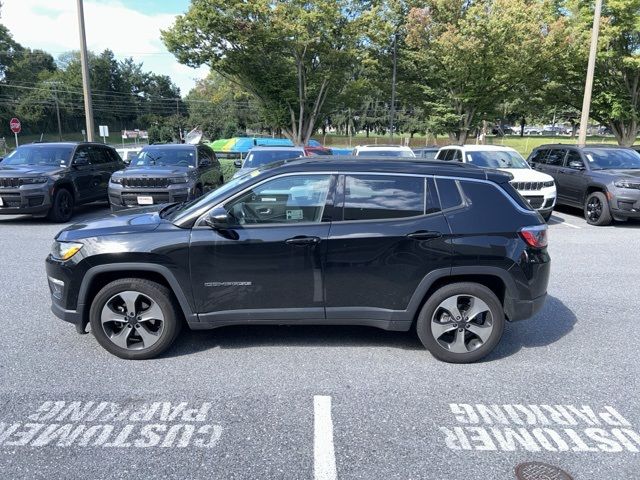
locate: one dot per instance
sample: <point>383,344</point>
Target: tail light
<point>535,236</point>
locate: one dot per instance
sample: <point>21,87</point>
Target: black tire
<point>221,181</point>
<point>596,210</point>
<point>159,294</point>
<point>546,216</point>
<point>197,193</point>
<point>62,206</point>
<point>423,325</point>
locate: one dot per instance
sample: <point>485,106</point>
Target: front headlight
<point>64,250</point>
<point>33,180</point>
<point>627,184</point>
<point>550,183</point>
<point>117,180</point>
<point>178,180</point>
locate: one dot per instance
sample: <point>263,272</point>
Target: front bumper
<point>125,197</point>
<point>625,203</point>
<point>542,200</point>
<point>27,199</point>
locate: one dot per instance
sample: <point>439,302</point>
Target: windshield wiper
<point>170,208</point>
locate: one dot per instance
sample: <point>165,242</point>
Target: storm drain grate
<point>540,471</point>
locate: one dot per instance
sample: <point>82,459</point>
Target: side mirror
<point>237,163</point>
<point>80,161</point>
<point>576,165</point>
<point>218,219</point>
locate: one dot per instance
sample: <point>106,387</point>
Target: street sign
<point>104,132</point>
<point>15,125</point>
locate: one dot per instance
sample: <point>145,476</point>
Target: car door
<point>103,165</point>
<point>387,235</point>
<point>572,179</point>
<point>269,264</point>
<point>83,173</point>
<point>206,169</point>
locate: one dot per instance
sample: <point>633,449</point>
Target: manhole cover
<point>540,471</point>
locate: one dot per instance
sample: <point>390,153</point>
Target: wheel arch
<point>66,184</point>
<point>99,276</point>
<point>495,279</point>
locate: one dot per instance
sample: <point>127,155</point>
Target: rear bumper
<point>517,310</point>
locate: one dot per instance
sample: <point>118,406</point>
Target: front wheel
<point>62,204</point>
<point>135,319</point>
<point>461,322</point>
<point>596,210</point>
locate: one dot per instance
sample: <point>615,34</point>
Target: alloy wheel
<point>132,320</point>
<point>594,209</point>
<point>462,323</point>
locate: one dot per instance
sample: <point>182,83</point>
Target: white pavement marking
<point>324,457</point>
<point>560,221</point>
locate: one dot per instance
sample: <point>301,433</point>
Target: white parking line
<point>560,221</point>
<point>324,457</point>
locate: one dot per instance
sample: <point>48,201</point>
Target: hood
<point>633,173</point>
<point>154,172</point>
<point>127,221</point>
<point>29,170</point>
<point>527,175</point>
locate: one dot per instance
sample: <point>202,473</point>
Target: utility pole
<point>392,110</point>
<point>84,61</point>
<point>588,86</point>
<point>55,97</point>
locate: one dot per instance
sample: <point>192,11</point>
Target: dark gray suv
<point>51,178</point>
<point>603,180</point>
<point>165,174</point>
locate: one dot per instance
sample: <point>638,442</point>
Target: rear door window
<point>378,197</point>
<point>456,155</point>
<point>556,157</point>
<point>539,156</point>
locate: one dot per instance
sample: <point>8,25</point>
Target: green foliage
<point>228,169</point>
<point>293,56</point>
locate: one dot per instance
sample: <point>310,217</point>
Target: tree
<point>475,55</point>
<point>616,89</point>
<point>293,56</point>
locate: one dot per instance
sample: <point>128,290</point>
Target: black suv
<point>603,180</point>
<point>51,178</point>
<point>166,174</point>
<point>451,249</point>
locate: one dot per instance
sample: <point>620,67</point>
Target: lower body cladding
<point>524,296</point>
<point>135,197</point>
<point>34,201</point>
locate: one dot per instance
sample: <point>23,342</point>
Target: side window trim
<point>463,198</point>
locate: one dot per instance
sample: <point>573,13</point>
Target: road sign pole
<point>16,134</point>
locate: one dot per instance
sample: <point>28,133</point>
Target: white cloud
<point>53,27</point>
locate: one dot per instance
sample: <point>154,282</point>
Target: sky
<point>130,28</point>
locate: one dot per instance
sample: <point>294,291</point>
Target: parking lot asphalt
<point>328,402</point>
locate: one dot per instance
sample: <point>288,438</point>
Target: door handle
<point>303,241</point>
<point>424,235</point>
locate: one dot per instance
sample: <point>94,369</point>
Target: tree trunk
<point>625,133</point>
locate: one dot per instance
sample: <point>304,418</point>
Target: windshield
<point>50,155</point>
<point>396,153</point>
<point>612,158</point>
<point>427,154</point>
<point>497,159</point>
<point>174,210</point>
<point>256,158</point>
<point>161,157</point>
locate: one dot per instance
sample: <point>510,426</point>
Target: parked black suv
<point>603,180</point>
<point>165,174</point>
<point>452,249</point>
<point>51,178</point>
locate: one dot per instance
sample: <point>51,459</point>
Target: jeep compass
<point>451,250</point>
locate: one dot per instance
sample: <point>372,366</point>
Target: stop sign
<point>15,126</point>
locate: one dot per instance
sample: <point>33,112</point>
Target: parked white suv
<point>384,151</point>
<point>538,188</point>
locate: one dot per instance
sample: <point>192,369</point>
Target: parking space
<point>286,402</point>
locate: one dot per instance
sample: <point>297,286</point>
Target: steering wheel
<point>248,214</point>
<point>183,162</point>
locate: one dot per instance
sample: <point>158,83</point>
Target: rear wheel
<point>135,319</point>
<point>61,206</point>
<point>461,322</point>
<point>596,210</point>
